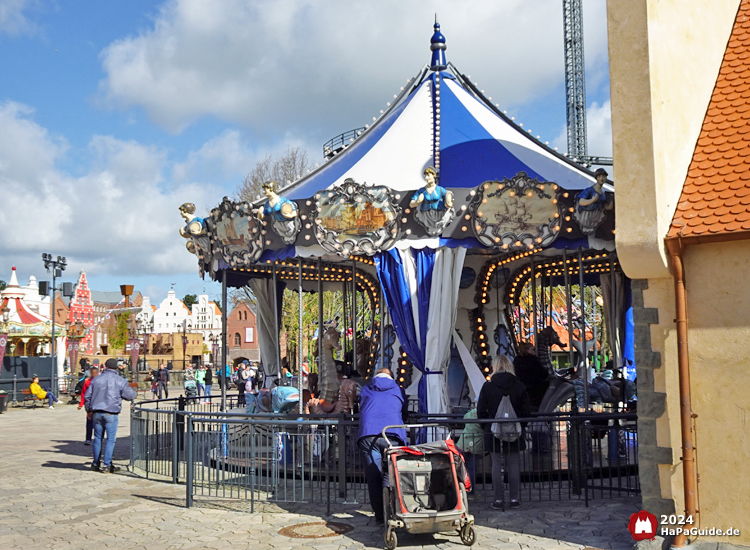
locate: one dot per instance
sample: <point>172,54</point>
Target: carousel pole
<point>354,315</point>
<point>224,340</point>
<point>320,315</point>
<point>568,305</point>
<point>299,337</point>
<point>582,292</point>
<point>534,319</point>
<point>614,340</point>
<point>345,314</point>
<point>382,330</point>
<point>276,330</point>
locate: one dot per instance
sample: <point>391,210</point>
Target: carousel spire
<point>13,278</point>
<point>437,45</point>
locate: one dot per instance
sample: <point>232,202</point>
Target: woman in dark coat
<point>502,383</point>
<point>532,374</point>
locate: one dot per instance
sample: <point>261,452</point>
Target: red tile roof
<point>715,199</point>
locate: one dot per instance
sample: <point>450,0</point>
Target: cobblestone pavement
<point>50,499</point>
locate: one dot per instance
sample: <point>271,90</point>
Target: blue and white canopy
<point>441,120</point>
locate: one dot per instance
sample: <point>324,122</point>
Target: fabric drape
<point>268,334</point>
<point>614,305</point>
<point>421,292</point>
<point>441,320</point>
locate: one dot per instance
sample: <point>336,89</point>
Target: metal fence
<point>303,458</point>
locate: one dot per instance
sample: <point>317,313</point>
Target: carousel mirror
<point>356,219</point>
<point>516,214</point>
<point>237,233</point>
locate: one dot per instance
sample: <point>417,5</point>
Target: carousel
<point>449,234</point>
<point>28,331</point>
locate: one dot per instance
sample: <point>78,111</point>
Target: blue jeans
<point>376,473</point>
<point>471,468</point>
<point>208,389</point>
<point>201,388</point>
<point>50,398</point>
<point>105,422</point>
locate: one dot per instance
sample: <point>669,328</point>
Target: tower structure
<point>575,77</point>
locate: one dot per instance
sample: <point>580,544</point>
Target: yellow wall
<point>664,58</point>
<point>719,338</point>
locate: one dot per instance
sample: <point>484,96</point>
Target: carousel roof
<point>441,119</point>
<point>13,298</point>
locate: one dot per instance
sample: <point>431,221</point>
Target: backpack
<point>506,431</point>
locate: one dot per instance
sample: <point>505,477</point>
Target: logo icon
<point>642,525</point>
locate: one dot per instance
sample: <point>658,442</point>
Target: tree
<point>2,284</point>
<point>117,332</point>
<point>283,170</point>
<point>189,300</point>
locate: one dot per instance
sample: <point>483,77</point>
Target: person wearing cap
<point>103,402</point>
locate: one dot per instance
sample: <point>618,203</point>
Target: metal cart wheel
<point>390,538</point>
<point>468,535</point>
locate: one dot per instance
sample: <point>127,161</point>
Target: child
<point>471,444</point>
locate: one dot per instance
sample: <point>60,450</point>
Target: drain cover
<point>315,530</point>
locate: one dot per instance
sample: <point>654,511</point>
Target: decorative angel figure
<point>283,213</point>
<point>592,204</point>
<point>433,204</point>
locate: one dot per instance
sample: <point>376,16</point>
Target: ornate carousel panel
<point>237,233</point>
<point>356,219</point>
<point>516,214</point>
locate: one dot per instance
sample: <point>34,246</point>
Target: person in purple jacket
<point>382,403</point>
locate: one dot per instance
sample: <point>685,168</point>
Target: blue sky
<point>114,113</point>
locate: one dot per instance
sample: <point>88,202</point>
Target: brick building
<point>81,308</point>
<point>242,334</point>
<point>103,305</point>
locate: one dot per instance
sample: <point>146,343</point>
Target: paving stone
<point>51,499</point>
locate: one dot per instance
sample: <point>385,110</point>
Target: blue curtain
<point>392,276</point>
<point>629,344</point>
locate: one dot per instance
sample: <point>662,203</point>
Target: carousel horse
<point>548,337</point>
<point>281,399</point>
<point>345,402</point>
<point>603,388</point>
<point>328,380</point>
<point>364,345</point>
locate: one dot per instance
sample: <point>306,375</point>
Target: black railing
<point>340,142</point>
<point>305,458</point>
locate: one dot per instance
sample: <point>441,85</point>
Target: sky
<point>112,114</point>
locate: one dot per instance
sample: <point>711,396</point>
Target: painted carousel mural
<point>452,235</point>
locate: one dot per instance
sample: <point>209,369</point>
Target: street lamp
<point>4,333</point>
<point>147,328</point>
<point>58,266</point>
<point>214,339</point>
<point>184,342</point>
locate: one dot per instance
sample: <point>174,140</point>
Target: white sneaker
<point>51,407</point>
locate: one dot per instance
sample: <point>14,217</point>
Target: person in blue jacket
<point>382,403</point>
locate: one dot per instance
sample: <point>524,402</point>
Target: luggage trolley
<point>427,492</point>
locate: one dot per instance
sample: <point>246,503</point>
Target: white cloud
<point>118,218</point>
<point>598,131</point>
<point>299,64</point>
<point>13,20</point>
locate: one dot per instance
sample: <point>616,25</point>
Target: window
<point>248,334</point>
<point>237,342</point>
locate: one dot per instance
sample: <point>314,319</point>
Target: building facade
<point>104,306</point>
<point>170,315</point>
<point>242,335</point>
<point>680,77</point>
<point>81,308</point>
